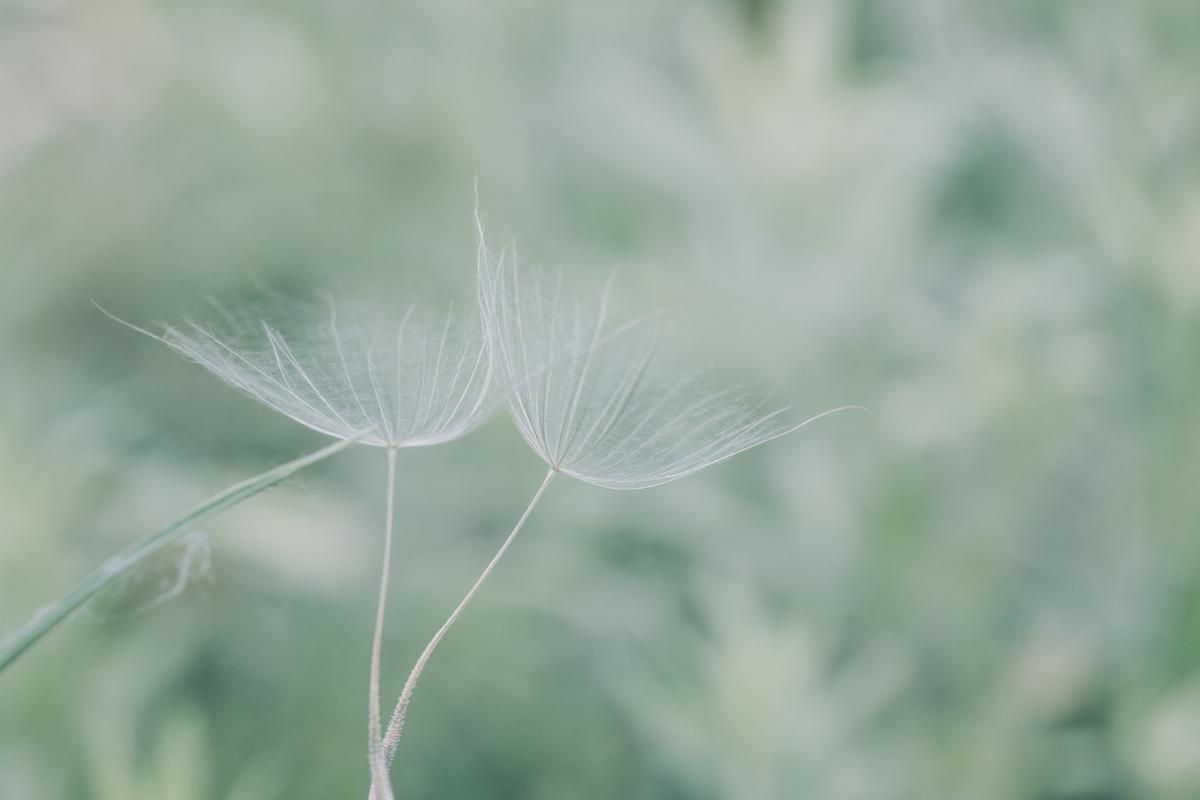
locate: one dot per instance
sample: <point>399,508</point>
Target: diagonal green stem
<point>116,566</point>
<point>396,725</point>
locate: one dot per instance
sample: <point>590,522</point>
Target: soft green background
<point>981,219</point>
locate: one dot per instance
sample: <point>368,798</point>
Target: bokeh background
<point>980,219</point>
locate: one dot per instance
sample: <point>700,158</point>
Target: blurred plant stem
<point>121,563</point>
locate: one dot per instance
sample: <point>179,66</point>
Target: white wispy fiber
<point>595,400</point>
<point>407,380</point>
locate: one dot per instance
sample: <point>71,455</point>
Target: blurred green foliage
<point>982,220</point>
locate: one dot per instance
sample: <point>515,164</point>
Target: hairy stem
<point>396,725</point>
<point>116,566</point>
<point>379,766</point>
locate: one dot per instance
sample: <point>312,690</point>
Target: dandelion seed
<point>408,382</point>
<point>593,400</point>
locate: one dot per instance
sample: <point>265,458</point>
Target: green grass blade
<point>116,566</point>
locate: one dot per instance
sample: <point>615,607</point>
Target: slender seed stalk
<point>379,765</point>
<point>396,725</point>
<point>121,563</point>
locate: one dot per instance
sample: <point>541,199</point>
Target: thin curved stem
<point>396,725</point>
<point>116,566</point>
<point>379,776</point>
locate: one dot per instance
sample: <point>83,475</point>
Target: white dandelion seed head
<point>592,397</point>
<point>404,379</point>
